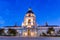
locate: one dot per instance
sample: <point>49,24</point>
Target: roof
<point>29,10</point>
<point>15,25</point>
<point>49,26</point>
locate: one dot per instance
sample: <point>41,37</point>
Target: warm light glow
<point>31,20</point>
<point>32,15</point>
<point>31,23</point>
<point>52,32</point>
<point>27,14</point>
<point>25,34</point>
<point>32,34</point>
<point>26,20</point>
<point>26,23</point>
<point>29,26</point>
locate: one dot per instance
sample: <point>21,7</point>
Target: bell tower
<point>29,19</point>
<point>29,24</point>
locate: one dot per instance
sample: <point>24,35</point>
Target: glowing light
<point>26,23</point>
<point>31,20</point>
<point>29,26</point>
<point>31,23</point>
<point>25,34</point>
<point>32,15</point>
<point>32,34</point>
<point>52,32</point>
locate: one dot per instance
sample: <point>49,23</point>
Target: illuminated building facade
<point>30,28</point>
<point>30,24</point>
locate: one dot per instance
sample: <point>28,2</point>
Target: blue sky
<point>13,11</point>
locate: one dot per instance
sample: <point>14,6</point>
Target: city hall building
<point>30,28</point>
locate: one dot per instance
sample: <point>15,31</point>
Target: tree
<point>58,32</point>
<point>2,32</point>
<point>50,31</point>
<point>43,34</point>
<point>12,32</point>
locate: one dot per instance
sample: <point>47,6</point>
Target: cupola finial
<point>29,8</point>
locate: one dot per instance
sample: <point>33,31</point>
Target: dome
<point>30,10</point>
<point>30,13</point>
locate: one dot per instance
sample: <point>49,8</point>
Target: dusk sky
<point>13,11</point>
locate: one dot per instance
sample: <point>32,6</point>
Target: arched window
<point>29,15</point>
<point>29,20</point>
